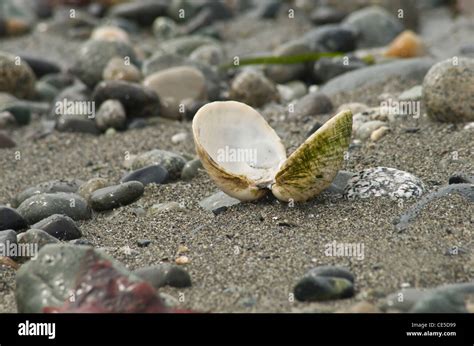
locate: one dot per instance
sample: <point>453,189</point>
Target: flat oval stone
<point>169,86</point>
<point>332,271</point>
<point>10,219</point>
<point>321,288</point>
<point>116,196</point>
<point>154,174</point>
<point>59,226</point>
<point>41,206</point>
<point>173,163</point>
<point>51,186</point>
<point>138,101</point>
<point>253,88</point>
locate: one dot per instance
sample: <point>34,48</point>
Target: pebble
<point>58,80</point>
<point>440,302</point>
<point>355,107</point>
<point>76,124</point>
<point>45,92</point>
<point>59,226</point>
<point>327,68</point>
<point>41,206</point>
<point>17,80</point>
<point>326,15</point>
<point>172,162</point>
<point>112,197</point>
<point>367,128</point>
<point>218,200</point>
<point>179,138</point>
<point>321,288</point>
<point>37,237</point>
<point>118,69</point>
<point>7,238</point>
<point>10,219</point>
<point>191,169</point>
<point>332,271</point>
<point>54,275</point>
<point>253,88</point>
<point>159,208</point>
<point>143,242</point>
<point>185,45</point>
<point>445,84</point>
<point>375,25</point>
<point>50,186</point>
<point>331,38</point>
<point>110,33</point>
<point>168,85</point>
<point>142,12</point>
<point>87,189</point>
<point>93,57</point>
<point>6,141</point>
<point>40,65</point>
<point>383,181</point>
<point>209,54</point>
<point>412,94</point>
<point>265,9</point>
<point>402,301</point>
<point>406,45</point>
<point>165,274</point>
<point>6,119</point>
<point>81,241</point>
<point>285,73</point>
<point>461,178</point>
<point>182,260</point>
<point>377,134</point>
<point>165,28</point>
<point>312,104</point>
<point>153,174</point>
<point>292,90</point>
<point>111,114</point>
<point>138,101</point>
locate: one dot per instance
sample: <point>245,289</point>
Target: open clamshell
<point>246,158</point>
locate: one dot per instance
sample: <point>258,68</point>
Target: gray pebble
<point>116,196</point>
<point>59,226</point>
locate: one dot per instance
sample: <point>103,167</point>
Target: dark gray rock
<point>191,169</point>
<point>461,178</point>
<point>36,237</point>
<point>165,274</point>
<point>10,219</point>
<point>340,182</point>
<point>7,238</point>
<point>154,174</point>
<point>332,271</point>
<point>327,68</point>
<point>116,196</point>
<point>375,26</point>
<point>326,15</point>
<point>332,38</point>
<point>40,65</point>
<point>321,288</point>
<point>142,12</point>
<point>77,124</point>
<point>59,226</point>
<point>41,206</point>
<point>172,162</point>
<point>312,104</point>
<point>58,80</point>
<point>138,101</point>
<point>286,73</point>
<point>51,186</point>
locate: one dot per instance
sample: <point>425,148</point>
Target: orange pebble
<point>406,45</point>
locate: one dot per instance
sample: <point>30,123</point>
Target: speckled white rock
<point>383,181</point>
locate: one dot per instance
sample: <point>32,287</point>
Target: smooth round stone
<point>332,38</point>
<point>321,288</point>
<point>116,196</point>
<point>253,88</point>
<point>406,45</point>
<point>286,73</point>
<point>59,226</point>
<point>37,237</point>
<point>6,141</point>
<point>165,28</point>
<point>58,80</point>
<point>165,274</point>
<point>191,169</point>
<point>111,114</point>
<point>383,181</point>
<point>10,219</point>
<point>138,101</point>
<point>40,65</point>
<point>93,57</point>
<point>327,68</point>
<point>367,128</point>
<point>332,271</point>
<point>185,45</point>
<point>209,54</point>
<point>77,124</point>
<point>81,241</point>
<point>154,174</point>
<point>117,69</point>
<point>142,12</point>
<point>169,86</point>
<point>51,186</point>
<point>6,119</point>
<point>326,15</point>
<point>21,112</point>
<point>110,33</point>
<point>312,104</point>
<point>45,91</point>
<point>448,90</point>
<point>41,206</point>
<point>375,25</point>
<point>172,162</point>
<point>440,302</point>
<point>7,238</point>
<point>461,178</point>
<point>18,80</point>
